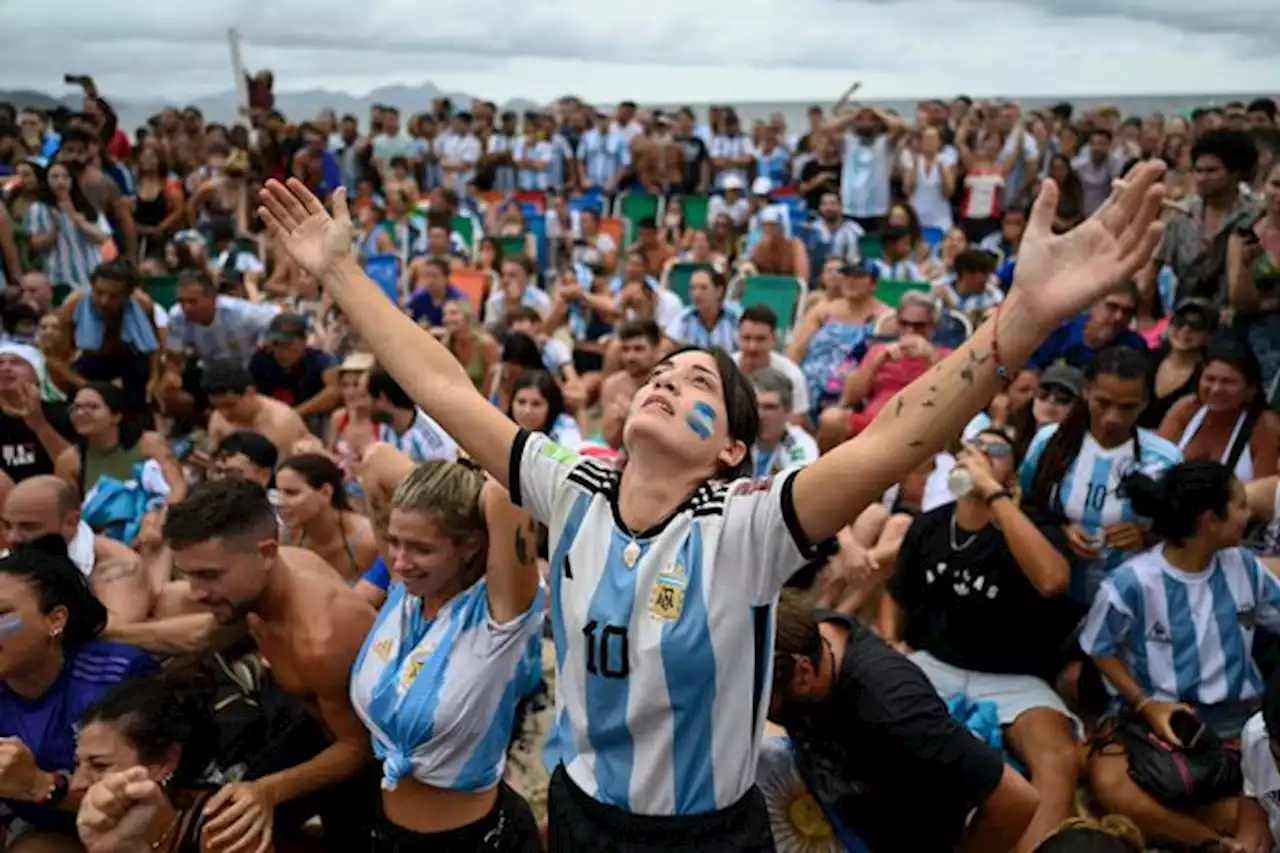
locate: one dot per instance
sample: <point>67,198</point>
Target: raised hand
<point>295,217</point>
<point>1059,275</point>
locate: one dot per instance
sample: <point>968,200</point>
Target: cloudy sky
<point>653,50</point>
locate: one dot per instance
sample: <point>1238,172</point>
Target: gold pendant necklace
<point>631,554</point>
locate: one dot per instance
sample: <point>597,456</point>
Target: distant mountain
<point>298,106</point>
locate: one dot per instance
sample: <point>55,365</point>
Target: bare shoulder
<point>114,561</point>
<point>1181,411</point>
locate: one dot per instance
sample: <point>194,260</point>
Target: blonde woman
<point>450,663</point>
<point>473,347</point>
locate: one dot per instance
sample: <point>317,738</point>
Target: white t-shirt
<point>791,370</point>
<point>1261,778</point>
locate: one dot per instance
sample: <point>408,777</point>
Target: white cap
<point>29,354</point>
<point>761,186</point>
<point>733,182</point>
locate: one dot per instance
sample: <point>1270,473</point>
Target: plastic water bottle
<point>959,482</point>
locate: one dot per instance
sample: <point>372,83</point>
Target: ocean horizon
<point>796,112</point>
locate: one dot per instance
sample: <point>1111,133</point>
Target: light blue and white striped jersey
<point>774,165</point>
<point>424,440</point>
<point>796,447</point>
<point>561,153</point>
<point>236,329</point>
<point>602,155</point>
<point>689,328</point>
<point>532,180</point>
<point>903,270</point>
<point>1186,636</point>
<point>731,148</point>
<point>439,695</point>
<point>664,639</point>
<point>864,177</point>
<point>1088,492</point>
<point>73,256</point>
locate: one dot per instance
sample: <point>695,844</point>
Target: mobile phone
<point>1187,727</point>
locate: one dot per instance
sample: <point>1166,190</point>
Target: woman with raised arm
<point>665,572</point>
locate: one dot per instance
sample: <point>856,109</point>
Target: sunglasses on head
<point>1194,322</point>
<point>1056,393</point>
<point>994,449</point>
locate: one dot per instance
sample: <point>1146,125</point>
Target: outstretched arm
<point>1058,275</point>
<point>320,244</point>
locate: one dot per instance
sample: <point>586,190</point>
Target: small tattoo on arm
<point>522,547</point>
<point>898,409</point>
<point>928,404</point>
<point>121,568</point>
<point>966,373</point>
<point>916,443</point>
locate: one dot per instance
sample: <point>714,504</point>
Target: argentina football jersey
<point>1090,495</point>
<point>644,653</point>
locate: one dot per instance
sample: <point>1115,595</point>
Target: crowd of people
<point>597,480</point>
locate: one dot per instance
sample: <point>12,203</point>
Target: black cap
<point>862,267</point>
<point>1201,306</point>
<point>285,328</point>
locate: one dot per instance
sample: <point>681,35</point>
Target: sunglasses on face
<point>1058,395</point>
<point>994,449</point>
<point>918,328</point>
<point>1193,322</point>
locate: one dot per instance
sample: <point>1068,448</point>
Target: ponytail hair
<point>1064,445</point>
<point>1175,501</point>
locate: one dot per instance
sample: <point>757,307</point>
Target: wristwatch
<point>58,793</point>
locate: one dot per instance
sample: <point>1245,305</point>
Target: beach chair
<point>475,284</point>
<point>465,227</point>
<point>535,198</point>
<point>677,276</point>
<point>890,292</point>
<point>615,229</point>
<point>514,247</point>
<point>163,289</point>
<point>783,293</point>
<point>696,209</point>
<point>632,207</point>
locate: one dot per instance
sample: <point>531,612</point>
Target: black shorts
<point>508,828</point>
<point>579,824</point>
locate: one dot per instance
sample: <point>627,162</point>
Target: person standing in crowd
<point>287,368</point>
<point>453,655</point>
<point>972,573</point>
<point>53,666</point>
<point>412,431</point>
<point>663,525</point>
<point>308,626</point>
<point>1144,630</point>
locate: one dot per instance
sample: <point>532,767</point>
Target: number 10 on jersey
<point>608,650</point>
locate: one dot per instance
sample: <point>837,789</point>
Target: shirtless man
<point>309,627</point>
<point>47,506</point>
<point>639,348</point>
<point>236,405</point>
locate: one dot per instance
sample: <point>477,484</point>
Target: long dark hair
<point>1064,445</point>
<point>740,406</point>
<point>1175,500</point>
<point>79,200</point>
<point>158,713</point>
<point>319,471</point>
<point>1237,355</point>
<point>57,582</point>
<point>546,386</point>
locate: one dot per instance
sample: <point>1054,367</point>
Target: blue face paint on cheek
<point>702,420</point>
<point>10,624</point>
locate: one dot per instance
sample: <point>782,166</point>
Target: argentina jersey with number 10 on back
<point>663,639</point>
